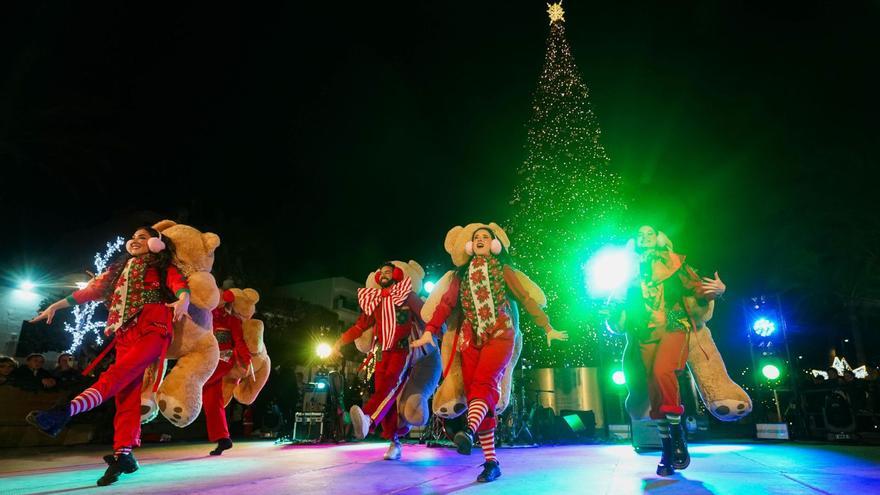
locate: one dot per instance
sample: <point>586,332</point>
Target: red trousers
<point>137,347</point>
<point>390,376</point>
<point>663,355</point>
<point>212,402</point>
<point>482,370</point>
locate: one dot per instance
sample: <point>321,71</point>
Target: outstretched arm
<point>444,308</point>
<point>532,308</point>
<point>92,292</point>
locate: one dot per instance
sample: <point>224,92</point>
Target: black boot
<point>50,422</point>
<point>680,456</point>
<point>664,468</point>
<point>116,465</point>
<point>222,444</point>
<point>491,472</point>
<point>464,441</point>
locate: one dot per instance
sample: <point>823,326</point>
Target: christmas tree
<point>566,205</point>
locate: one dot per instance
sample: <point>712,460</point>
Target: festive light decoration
<point>566,204</point>
<point>83,313</point>
<point>841,365</point>
<point>556,12</point>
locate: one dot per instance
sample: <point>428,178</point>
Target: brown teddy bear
<point>412,404</point>
<point>246,383</point>
<point>179,395</point>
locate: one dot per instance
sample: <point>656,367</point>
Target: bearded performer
<point>394,310</point>
<point>484,286</point>
<point>664,305</point>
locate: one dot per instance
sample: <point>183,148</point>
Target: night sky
<point>318,138</point>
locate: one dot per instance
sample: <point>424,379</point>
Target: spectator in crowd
<point>7,369</point>
<point>833,377</point>
<point>848,376</point>
<point>32,376</point>
<point>65,373</point>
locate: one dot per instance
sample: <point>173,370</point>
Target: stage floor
<point>256,467</point>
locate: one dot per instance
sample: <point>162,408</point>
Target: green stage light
<point>770,371</point>
<point>610,271</point>
<point>619,378</point>
<point>323,350</point>
<point>429,286</point>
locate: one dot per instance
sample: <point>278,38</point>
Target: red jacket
<point>230,336</point>
<point>97,287</point>
<point>408,314</point>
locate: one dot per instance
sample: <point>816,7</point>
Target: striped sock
<point>122,451</point>
<point>477,410</point>
<point>88,399</point>
<point>673,419</point>
<point>487,443</point>
<point>663,428</point>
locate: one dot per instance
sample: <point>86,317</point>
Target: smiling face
<point>137,246</point>
<point>482,240</point>
<point>646,238</point>
<point>386,276</point>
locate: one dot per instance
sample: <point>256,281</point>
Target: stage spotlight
<point>618,377</point>
<point>429,286</point>
<point>81,285</point>
<point>27,286</point>
<point>770,371</point>
<point>324,350</point>
<point>764,327</point>
<point>320,385</point>
<point>610,270</point>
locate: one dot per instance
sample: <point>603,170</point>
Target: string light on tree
<point>566,205</point>
<point>82,314</point>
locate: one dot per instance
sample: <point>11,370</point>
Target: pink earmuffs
<point>495,247</point>
<point>154,244</point>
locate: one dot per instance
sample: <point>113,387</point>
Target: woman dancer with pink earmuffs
<point>144,294</point>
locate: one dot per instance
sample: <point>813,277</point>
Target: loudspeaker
<point>308,426</point>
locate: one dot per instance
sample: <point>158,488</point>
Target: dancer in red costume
<point>395,311</point>
<point>658,317</point>
<point>230,339</point>
<point>145,294</point>
<point>485,286</point>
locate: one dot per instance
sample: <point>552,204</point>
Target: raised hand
<point>713,288</point>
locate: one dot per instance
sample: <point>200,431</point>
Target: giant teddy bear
<point>412,404</point>
<point>449,400</point>
<point>246,383</point>
<point>723,398</point>
<point>179,395</point>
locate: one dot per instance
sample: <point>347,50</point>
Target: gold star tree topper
<point>556,12</point>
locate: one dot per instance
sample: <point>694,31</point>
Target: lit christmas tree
<point>83,313</point>
<point>566,205</point>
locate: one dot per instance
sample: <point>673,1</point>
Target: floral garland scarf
<point>483,294</point>
<point>127,299</point>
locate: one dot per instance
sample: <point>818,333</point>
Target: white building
<point>338,294</point>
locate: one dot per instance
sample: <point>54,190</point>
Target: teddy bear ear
<point>500,234</point>
<point>451,238</point>
<point>164,224</point>
<point>252,294</point>
<point>211,240</point>
<point>416,269</point>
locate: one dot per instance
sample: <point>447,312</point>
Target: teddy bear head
<point>458,237</point>
<point>194,257</point>
<point>244,302</point>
